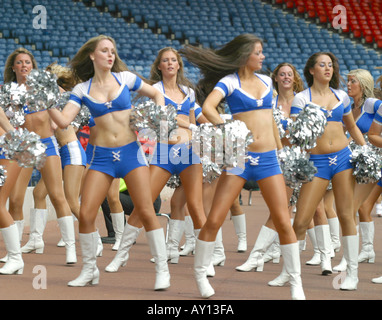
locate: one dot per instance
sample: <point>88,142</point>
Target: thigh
<point>275,196</point>
<point>95,187</point>
<point>16,198</point>
<point>72,179</point>
<point>309,198</point>
<point>228,188</point>
<point>138,184</point>
<point>157,180</point>
<point>13,171</point>
<point>51,173</point>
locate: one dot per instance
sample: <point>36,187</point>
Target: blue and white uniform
<point>72,154</point>
<point>174,158</point>
<point>260,164</point>
<point>327,164</point>
<point>119,161</point>
<point>378,119</point>
<point>368,112</point>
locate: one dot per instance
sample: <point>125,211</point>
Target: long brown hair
<point>335,82</point>
<point>81,64</point>
<point>215,64</point>
<point>156,74</point>
<point>9,75</point>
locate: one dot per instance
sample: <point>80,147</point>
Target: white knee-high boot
<point>351,247</point>
<point>129,236</point>
<point>157,244</point>
<point>189,235</point>
<point>334,226</point>
<point>118,221</point>
<point>240,226</point>
<point>202,260</point>
<point>20,228</point>
<point>15,263</point>
<point>69,238</point>
<point>367,251</point>
<point>324,246</point>
<point>175,233</point>
<point>89,273</point>
<point>316,259</point>
<point>284,276</point>
<point>218,258</point>
<point>255,260</point>
<point>38,219</point>
<point>291,256</point>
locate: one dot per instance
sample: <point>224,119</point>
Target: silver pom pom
<point>308,126</point>
<point>225,144</point>
<point>211,170</point>
<point>282,122</point>
<point>3,175</point>
<point>12,100</point>
<point>43,91</point>
<point>367,164</point>
<point>24,147</point>
<point>160,119</point>
<point>296,166</point>
<point>173,182</point>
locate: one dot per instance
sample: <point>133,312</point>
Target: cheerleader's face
<point>22,66</point>
<point>354,87</point>
<point>256,58</point>
<point>104,54</point>
<point>323,69</point>
<point>169,64</point>
<point>285,78</point>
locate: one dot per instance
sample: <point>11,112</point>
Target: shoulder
<point>265,78</point>
<point>302,97</point>
<point>81,89</point>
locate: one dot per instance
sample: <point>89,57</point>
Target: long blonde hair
<point>9,75</point>
<point>81,64</point>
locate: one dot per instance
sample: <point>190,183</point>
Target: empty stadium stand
<point>289,29</point>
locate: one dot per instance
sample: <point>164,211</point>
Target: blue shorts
<point>380,181</point>
<point>52,146</point>
<point>260,165</point>
<point>174,157</point>
<point>118,162</point>
<point>89,152</point>
<point>73,154</point>
<point>332,163</point>
<point>2,155</point>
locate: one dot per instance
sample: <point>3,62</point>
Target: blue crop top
<point>240,101</point>
<point>342,108</point>
<point>187,104</point>
<point>368,112</point>
<point>128,82</point>
<point>378,115</point>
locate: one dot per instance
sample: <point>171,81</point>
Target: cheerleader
<point>10,229</point>
<point>375,137</point>
<point>105,85</point>
<point>331,157</point>
<point>173,156</point>
<point>361,89</point>
<point>229,73</point>
<point>18,66</point>
<point>287,82</point>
